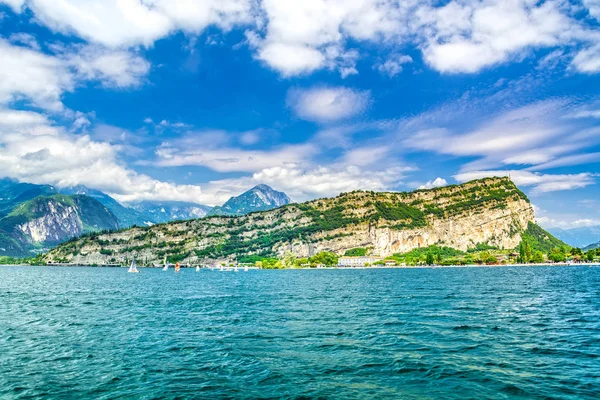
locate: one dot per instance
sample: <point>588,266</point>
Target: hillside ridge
<point>490,211</point>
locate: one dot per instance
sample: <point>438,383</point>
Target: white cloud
<point>299,37</point>
<point>119,23</point>
<point>393,65</point>
<point>588,60</point>
<point>482,34</point>
<point>42,79</point>
<point>575,159</point>
<point>307,183</point>
<point>541,183</point>
<point>249,138</point>
<point>534,134</point>
<point>33,149</point>
<point>113,68</point>
<point>593,8</point>
<point>437,182</point>
<point>213,151</point>
<point>16,5</point>
<point>327,104</point>
<point>28,74</point>
<point>302,36</point>
<point>291,59</point>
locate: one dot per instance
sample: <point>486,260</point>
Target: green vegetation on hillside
<point>357,252</point>
<point>539,239</point>
<point>262,235</point>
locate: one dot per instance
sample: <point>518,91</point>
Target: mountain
<point>578,237</point>
<point>127,216</point>
<point>146,212</point>
<point>592,246</point>
<point>13,193</point>
<point>486,212</point>
<point>49,220</point>
<point>157,212</point>
<point>259,198</point>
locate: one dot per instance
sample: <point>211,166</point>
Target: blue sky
<point>201,100</point>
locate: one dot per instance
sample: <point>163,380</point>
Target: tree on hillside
<point>589,256</point>
<point>527,251</point>
<point>538,257</point>
<point>326,258</point>
<point>289,260</point>
<point>429,259</point>
<point>357,252</point>
<point>557,255</point>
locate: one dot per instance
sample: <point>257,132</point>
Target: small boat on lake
<point>177,267</point>
<point>133,267</point>
<point>197,268</point>
<point>166,266</point>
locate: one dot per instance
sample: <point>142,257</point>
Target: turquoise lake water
<point>494,333</point>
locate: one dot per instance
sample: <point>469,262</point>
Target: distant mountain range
<point>578,237</point>
<point>146,212</point>
<point>36,217</point>
<point>259,198</point>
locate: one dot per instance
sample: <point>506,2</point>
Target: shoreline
<point>331,268</point>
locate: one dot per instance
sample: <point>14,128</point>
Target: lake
<point>453,333</point>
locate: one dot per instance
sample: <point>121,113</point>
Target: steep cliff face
<point>491,211</point>
<point>49,220</point>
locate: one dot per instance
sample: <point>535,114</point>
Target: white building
<point>357,261</point>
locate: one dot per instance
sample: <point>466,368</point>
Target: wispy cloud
<point>540,183</point>
<point>327,104</point>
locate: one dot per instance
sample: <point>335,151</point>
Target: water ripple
<point>529,333</point>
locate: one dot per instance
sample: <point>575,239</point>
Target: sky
<point>201,100</point>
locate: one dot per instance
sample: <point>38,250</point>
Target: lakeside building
<point>360,261</point>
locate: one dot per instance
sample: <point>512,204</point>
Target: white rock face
<point>497,227</point>
<point>58,223</point>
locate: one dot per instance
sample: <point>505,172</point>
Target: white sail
<point>245,268</point>
<point>197,268</point>
<point>133,267</point>
<point>166,266</point>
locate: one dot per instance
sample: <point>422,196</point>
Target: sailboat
<point>133,267</point>
<point>245,268</point>
<point>166,266</point>
<point>197,268</point>
<point>177,267</point>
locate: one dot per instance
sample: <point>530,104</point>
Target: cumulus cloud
<point>29,74</point>
<point>33,149</point>
<point>469,36</point>
<point>327,104</point>
<point>41,79</point>
<point>587,60</point>
<point>593,7</point>
<point>113,68</point>
<point>299,37</point>
<point>323,181</point>
<point>540,183</point>
<point>437,182</point>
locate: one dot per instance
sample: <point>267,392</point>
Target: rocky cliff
<point>490,211</point>
<point>49,220</point>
